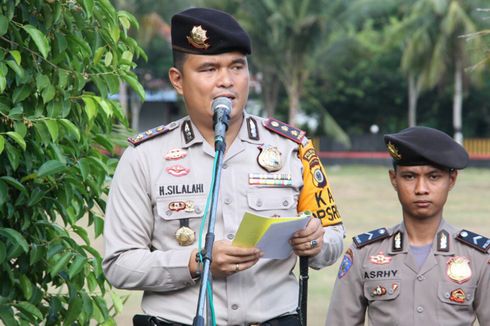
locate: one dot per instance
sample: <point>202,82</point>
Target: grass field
<point>367,201</point>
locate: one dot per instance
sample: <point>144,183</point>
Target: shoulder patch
<point>474,240</point>
<point>369,237</point>
<point>285,130</point>
<point>151,133</point>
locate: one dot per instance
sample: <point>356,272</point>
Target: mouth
<point>422,203</point>
<point>227,95</point>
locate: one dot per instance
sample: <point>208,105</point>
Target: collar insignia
<point>394,151</point>
<point>443,241</point>
<point>198,38</point>
<point>253,132</point>
<point>398,241</point>
<point>187,131</point>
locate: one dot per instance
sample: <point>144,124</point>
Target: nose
<point>421,187</point>
<point>225,79</point>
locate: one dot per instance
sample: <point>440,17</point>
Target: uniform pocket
<point>271,199</point>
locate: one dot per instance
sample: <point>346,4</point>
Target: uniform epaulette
<point>474,240</point>
<point>369,237</point>
<point>285,130</point>
<point>151,133</point>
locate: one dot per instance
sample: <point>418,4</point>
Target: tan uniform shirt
<point>143,214</point>
<point>452,287</point>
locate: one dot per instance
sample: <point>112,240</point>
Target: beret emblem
<point>198,38</point>
<point>393,151</point>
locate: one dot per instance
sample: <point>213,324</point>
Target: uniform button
<point>230,236</point>
<point>259,203</point>
<point>227,201</point>
<point>234,306</point>
<point>420,277</point>
<point>468,296</point>
<point>225,166</point>
<point>390,291</point>
<point>285,203</point>
<point>169,212</point>
<point>198,210</point>
<point>420,309</point>
<point>447,295</point>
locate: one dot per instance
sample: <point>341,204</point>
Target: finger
<point>312,226</point>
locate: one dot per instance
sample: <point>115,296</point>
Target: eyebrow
<point>214,64</point>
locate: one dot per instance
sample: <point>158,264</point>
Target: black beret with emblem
<point>208,31</point>
<point>426,146</point>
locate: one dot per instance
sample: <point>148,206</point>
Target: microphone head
<point>223,103</point>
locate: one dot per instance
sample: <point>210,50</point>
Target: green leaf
<point>71,128</point>
<point>116,300</point>
<point>14,183</point>
<point>19,71</point>
<point>84,166</point>
<point>60,264</point>
<point>17,138</point>
<point>15,238</point>
<point>50,167</point>
<point>35,197</point>
<point>2,143</point>
<point>4,25</point>
<point>74,309</point>
<point>39,39</point>
<point>13,156</point>
<point>4,194</point>
<point>26,286</point>
<point>99,225</point>
<point>16,55</point>
<point>62,78</point>
<point>53,128</point>
<point>91,282</point>
<point>104,105</point>
<point>42,81</point>
<point>21,93</point>
<point>82,233</point>
<point>135,85</point>
<point>3,252</point>
<point>115,32</point>
<point>129,17</point>
<point>3,84</point>
<point>108,59</point>
<point>29,309</point>
<point>48,93</point>
<point>90,107</point>
<point>76,266</point>
<point>98,54</point>
<point>88,5</point>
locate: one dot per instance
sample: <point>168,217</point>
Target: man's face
<point>422,190</point>
<point>205,77</point>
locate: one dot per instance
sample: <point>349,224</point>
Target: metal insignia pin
<point>185,236</point>
<point>198,37</point>
<point>175,154</point>
<point>458,269</point>
<point>177,170</point>
<point>269,158</point>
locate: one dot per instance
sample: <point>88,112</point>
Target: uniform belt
<point>289,320</point>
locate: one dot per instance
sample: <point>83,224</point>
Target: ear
<point>175,77</point>
<point>453,175</point>
<point>392,174</point>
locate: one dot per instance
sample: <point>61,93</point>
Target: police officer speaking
<point>422,271</point>
<point>158,194</point>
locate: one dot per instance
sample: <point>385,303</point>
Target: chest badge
<point>175,154</point>
<point>457,296</point>
<point>269,158</point>
<point>458,269</point>
<point>380,259</point>
<point>177,170</point>
<point>185,236</point>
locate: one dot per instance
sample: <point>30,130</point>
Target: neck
<point>233,129</point>
<point>421,232</point>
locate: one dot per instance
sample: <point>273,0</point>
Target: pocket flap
<point>453,293</point>
<point>270,198</point>
<point>176,208</point>
<point>382,289</point>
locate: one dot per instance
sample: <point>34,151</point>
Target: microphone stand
<point>221,125</point>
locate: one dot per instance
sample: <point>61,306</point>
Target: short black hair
<point>179,59</point>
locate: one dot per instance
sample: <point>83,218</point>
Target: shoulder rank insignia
<point>369,237</point>
<point>474,240</point>
<point>151,133</point>
<point>285,130</point>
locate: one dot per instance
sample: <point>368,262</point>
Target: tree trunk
<point>413,94</point>
<point>293,95</point>
<point>458,101</point>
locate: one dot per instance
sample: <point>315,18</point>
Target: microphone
<point>222,108</point>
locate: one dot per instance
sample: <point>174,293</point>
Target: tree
<point>59,61</point>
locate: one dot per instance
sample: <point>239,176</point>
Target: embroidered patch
<point>177,170</point>
<point>380,259</point>
<point>175,154</point>
<point>474,240</point>
<point>149,134</point>
<point>346,264</point>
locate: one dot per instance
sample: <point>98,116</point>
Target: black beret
<point>208,31</point>
<point>426,146</point>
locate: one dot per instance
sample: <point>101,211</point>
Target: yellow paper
<point>253,227</point>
